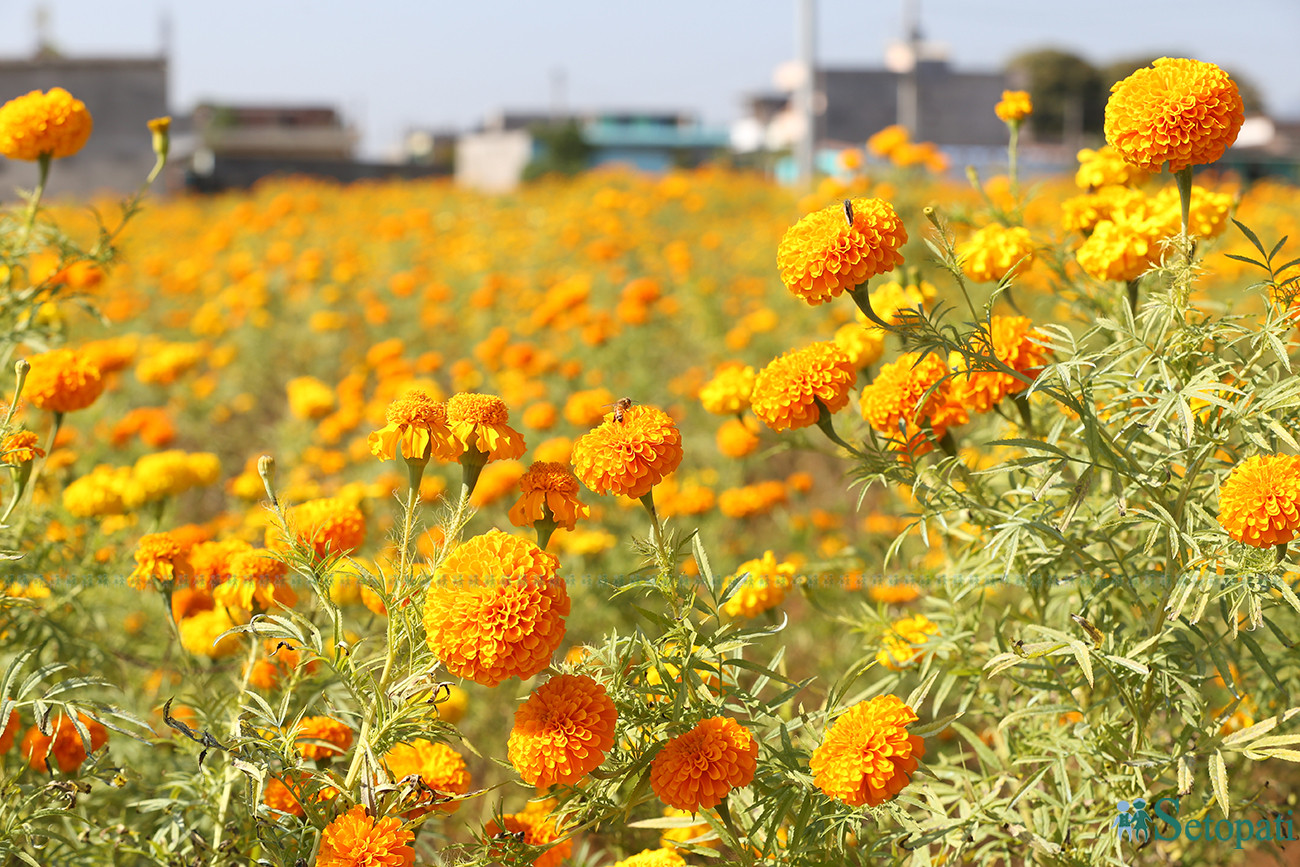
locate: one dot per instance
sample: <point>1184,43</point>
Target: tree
<point>1067,91</point>
<point>562,150</point>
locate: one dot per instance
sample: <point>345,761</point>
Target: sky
<point>391,65</point>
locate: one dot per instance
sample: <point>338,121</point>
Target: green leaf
<point>1250,236</point>
<point>1219,781</point>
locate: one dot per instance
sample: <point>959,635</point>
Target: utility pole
<point>909,86</point>
<point>806,95</point>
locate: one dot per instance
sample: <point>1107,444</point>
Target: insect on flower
<point>622,405</point>
<point>848,211</point>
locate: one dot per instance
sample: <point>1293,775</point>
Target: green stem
<point>1183,177</point>
<point>824,422</point>
<point>1133,296</point>
<point>229,774</point>
<point>43,162</point>
<point>862,298</point>
<point>1012,158</point>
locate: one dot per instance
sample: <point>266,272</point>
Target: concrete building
<point>122,95</point>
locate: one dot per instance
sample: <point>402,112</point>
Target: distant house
<point>122,95</point>
<point>494,157</point>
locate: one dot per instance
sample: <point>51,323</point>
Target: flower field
<point>657,520</point>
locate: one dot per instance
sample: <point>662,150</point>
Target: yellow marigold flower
<point>417,429</point>
<point>258,581</point>
<point>763,585</point>
<point>862,345</point>
<point>751,500</point>
<point>1105,167</point>
<point>199,633</point>
<point>729,390</point>
<point>167,362</point>
<point>329,526</point>
<point>563,731</point>
<point>454,703</point>
<point>1176,111</point>
<point>994,250</point>
<point>894,593</point>
<point>586,408</point>
<point>825,253</point>
<point>1259,502</point>
<point>309,398</point>
<point>653,858</point>
<point>40,124</point>
<point>737,438</point>
<point>211,561</point>
<point>787,390</point>
<point>696,770</point>
<point>1012,339</point>
<point>1117,250</point>
<point>98,493</point>
<point>496,481</point>
<point>538,829</point>
<point>1207,216</point>
<point>20,447</point>
<point>892,403</point>
<point>549,490</point>
<point>355,839</point>
<point>62,381</point>
<point>478,421</point>
<point>438,766</point>
<point>867,756</point>
<point>337,737</point>
<point>1014,107</point>
<point>902,644</point>
<point>890,300</point>
<point>850,159</point>
<point>888,140</point>
<point>160,557</point>
<point>631,456</point>
<point>496,609</point>
<point>1082,213</point>
<point>691,834</point>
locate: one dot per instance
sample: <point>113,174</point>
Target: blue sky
<point>390,65</point>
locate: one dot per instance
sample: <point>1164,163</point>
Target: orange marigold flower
<point>901,645</point>
<point>160,557</point>
<point>63,744</point>
<point>258,582</point>
<point>549,490</point>
<point>439,767</point>
<point>631,456</point>
<point>737,438</point>
<point>763,585</point>
<point>867,756</point>
<point>563,731</point>
<point>1014,107</point>
<point>417,429</point>
<point>355,839</point>
<point>330,526</point>
<point>653,858</point>
<point>826,252</point>
<point>496,609</point>
<point>1012,339</point>
<point>538,829</point>
<point>893,402</point>
<point>9,732</point>
<point>1259,503</point>
<point>994,250</point>
<point>787,390</point>
<point>888,140</point>
<point>336,735</point>
<point>1176,111</point>
<point>211,561</point>
<point>278,796</point>
<point>40,124</point>
<point>62,381</point>
<point>696,770</point>
<point>729,391</point>
<point>862,345</point>
<point>478,421</point>
<point>20,447</point>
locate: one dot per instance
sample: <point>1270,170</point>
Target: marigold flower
<point>549,490</point>
<point>861,344</point>
<point>888,140</point>
<point>53,124</point>
<point>257,582</point>
<point>867,756</point>
<point>1012,339</point>
<point>538,829</point>
<point>787,390</point>
<point>9,732</point>
<point>199,633</point>
<point>696,770</point>
<point>826,253</point>
<point>478,421</point>
<point>1259,502</point>
<point>687,833</point>
<point>20,447</point>
<point>737,438</point>
<point>653,858</point>
<point>63,744</point>
<point>417,429</point>
<point>994,250</point>
<point>1117,250</point>
<point>355,839</point>
<point>1014,107</point>
<point>1105,167</point>
<point>631,456</point>
<point>729,391</point>
<point>309,398</point>
<point>278,796</point>
<point>587,407</point>
<point>763,586</point>
<point>749,501</point>
<point>563,731</point>
<point>211,561</point>
<point>1176,111</point>
<point>336,735</point>
<point>496,609</point>
<point>329,526</point>
<point>892,403</point>
<point>902,644</point>
<point>62,381</point>
<point>159,557</point>
<point>438,766</point>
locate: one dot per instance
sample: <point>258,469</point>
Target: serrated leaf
<point>1285,755</point>
<point>1250,236</point>
<point>1219,781</point>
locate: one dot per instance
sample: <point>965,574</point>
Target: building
<point>122,94</point>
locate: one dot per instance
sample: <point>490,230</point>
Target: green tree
<point>562,151</point>
<point>1067,90</point>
